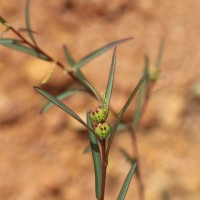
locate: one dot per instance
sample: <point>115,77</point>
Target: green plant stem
<point>104,167</point>
<point>149,90</point>
<point>132,132</point>
<point>140,184</point>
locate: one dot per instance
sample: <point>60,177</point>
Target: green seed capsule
<point>102,130</point>
<point>154,73</point>
<point>97,115</point>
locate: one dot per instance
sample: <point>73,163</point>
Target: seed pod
<point>154,73</point>
<point>102,130</point>
<point>97,115</point>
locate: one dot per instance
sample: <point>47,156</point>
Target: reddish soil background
<point>42,155</point>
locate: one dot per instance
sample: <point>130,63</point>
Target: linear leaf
<point>2,20</point>
<point>122,127</point>
<point>68,56</point>
<point>127,156</point>
<point>160,53</point>
<point>26,30</point>
<point>79,74</point>
<point>62,96</point>
<point>87,149</point>
<point>127,182</point>
<point>58,103</point>
<point>111,78</point>
<point>98,52</point>
<point>123,110</point>
<point>96,159</point>
<point>17,45</point>
<point>142,94</point>
<point>28,23</point>
<point>90,88</point>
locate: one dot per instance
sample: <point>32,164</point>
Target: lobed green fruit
<point>97,115</point>
<point>103,130</point>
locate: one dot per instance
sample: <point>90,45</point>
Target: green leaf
<point>98,52</point>
<point>62,96</point>
<point>17,45</point>
<point>58,103</point>
<point>2,20</point>
<point>127,182</point>
<point>127,156</point>
<point>160,53</point>
<point>79,74</point>
<point>142,94</point>
<point>111,78</point>
<point>123,110</point>
<point>68,56</point>
<point>96,159</point>
<point>87,149</point>
<point>88,86</point>
<point>28,23</point>
<point>122,127</point>
<point>72,62</point>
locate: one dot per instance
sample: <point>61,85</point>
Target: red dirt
<point>41,155</point>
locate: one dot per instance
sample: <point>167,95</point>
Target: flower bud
<point>154,73</point>
<point>102,130</point>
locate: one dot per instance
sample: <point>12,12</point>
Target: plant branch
<point>140,184</point>
<point>36,47</point>
<point>132,132</point>
<point>104,167</point>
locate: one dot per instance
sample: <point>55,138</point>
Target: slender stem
<point>36,47</point>
<point>140,184</point>
<point>149,90</point>
<point>51,59</point>
<point>132,130</point>
<point>104,167</point>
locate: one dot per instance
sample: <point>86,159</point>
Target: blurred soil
<point>42,155</point>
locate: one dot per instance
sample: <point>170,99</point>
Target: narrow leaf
<point>122,127</point>
<point>111,78</point>
<point>123,110</point>
<point>9,41</point>
<point>26,30</point>
<point>90,88</point>
<point>127,156</point>
<point>2,20</point>
<point>68,56</point>
<point>142,94</point>
<point>17,45</point>
<point>28,23</point>
<point>96,159</point>
<point>62,96</point>
<point>98,52</point>
<point>160,53</point>
<point>127,182</point>
<point>87,149</point>
<point>58,103</point>
<point>79,74</point>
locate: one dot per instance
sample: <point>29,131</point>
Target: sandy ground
<point>42,155</point>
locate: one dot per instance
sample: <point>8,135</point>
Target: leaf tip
<point>36,88</point>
